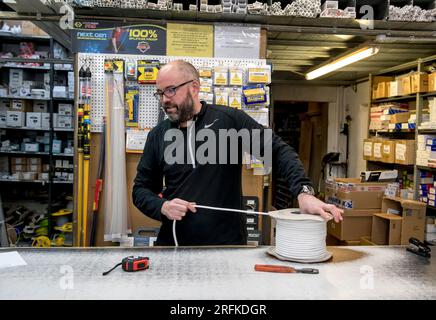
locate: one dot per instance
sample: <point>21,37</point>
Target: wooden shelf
<point>409,97</point>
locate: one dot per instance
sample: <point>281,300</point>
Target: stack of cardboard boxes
<point>29,169</point>
<point>370,218</point>
<point>360,201</point>
<point>411,83</point>
<point>400,220</point>
<point>389,151</point>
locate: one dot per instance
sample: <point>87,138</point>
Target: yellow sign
<point>190,40</point>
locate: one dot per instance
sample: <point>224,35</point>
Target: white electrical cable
<point>301,237</point>
<point>217,209</point>
<point>191,153</point>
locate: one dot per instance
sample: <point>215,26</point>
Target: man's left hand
<point>312,205</point>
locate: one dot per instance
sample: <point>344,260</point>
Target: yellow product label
<point>205,73</point>
<point>220,78</point>
<point>205,89</point>
<point>235,102</point>
<point>257,75</point>
<point>222,99</point>
<point>236,78</point>
<point>254,91</point>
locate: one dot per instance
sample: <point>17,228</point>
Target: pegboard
<point>148,105</point>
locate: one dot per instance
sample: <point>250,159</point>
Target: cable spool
<point>299,237</point>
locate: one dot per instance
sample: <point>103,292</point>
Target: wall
<point>357,106</point>
<point>341,102</point>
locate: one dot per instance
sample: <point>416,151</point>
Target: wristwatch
<point>307,189</point>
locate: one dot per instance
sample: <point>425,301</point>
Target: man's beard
<point>184,111</point>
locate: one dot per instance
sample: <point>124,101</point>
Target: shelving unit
<point>53,198</point>
<point>418,99</point>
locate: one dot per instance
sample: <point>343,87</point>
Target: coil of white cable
<point>299,237</point>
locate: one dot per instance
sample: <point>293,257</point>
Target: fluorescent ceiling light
<point>342,62</point>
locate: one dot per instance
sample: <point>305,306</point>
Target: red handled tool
<point>131,264</point>
<point>283,269</point>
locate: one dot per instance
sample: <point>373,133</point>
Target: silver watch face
<point>308,190</point>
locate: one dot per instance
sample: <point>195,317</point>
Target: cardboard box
<point>34,168</point>
<point>65,122</point>
<point>30,176</point>
<point>377,150</point>
<point>406,83</point>
<point>40,106</point>
<point>15,77</point>
<point>3,122</point>
<point>379,91</point>
<point>45,120</point>
<point>400,117</point>
<point>65,109</point>
<point>405,152</point>
<point>413,214</point>
<point>367,149</point>
<point>18,160</point>
<point>31,147</point>
<point>355,224</point>
<point>33,161</point>
<point>419,82</point>
<point>350,193</point>
<point>15,119</point>
<point>18,168</point>
<point>388,151</point>
<point>432,82</point>
<point>386,229</point>
<point>33,120</point>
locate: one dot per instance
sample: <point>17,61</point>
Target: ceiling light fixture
<point>341,62</point>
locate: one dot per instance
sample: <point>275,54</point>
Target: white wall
<point>357,106</point>
<point>342,101</point>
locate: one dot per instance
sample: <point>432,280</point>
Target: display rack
<point>51,186</point>
<point>419,100</point>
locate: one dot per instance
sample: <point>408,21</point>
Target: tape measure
<point>131,264</point>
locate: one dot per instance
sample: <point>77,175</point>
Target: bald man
<point>174,152</point>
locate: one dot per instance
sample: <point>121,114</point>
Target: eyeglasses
<point>169,92</point>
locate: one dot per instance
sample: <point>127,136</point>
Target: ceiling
<point>294,45</point>
<point>294,54</point>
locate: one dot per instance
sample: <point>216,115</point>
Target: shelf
<point>429,94</point>
<point>63,155</point>
<point>19,37</point>
<point>35,181</point>
<point>25,181</point>
<point>426,168</point>
<point>48,60</point>
<point>63,130</point>
<point>390,164</point>
<point>409,97</point>
<point>63,99</point>
<point>25,153</point>
<point>25,67</point>
<point>24,98</point>
<point>25,128</point>
<point>428,131</point>
<point>391,131</point>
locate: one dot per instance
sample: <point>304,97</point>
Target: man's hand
<point>176,209</point>
<point>312,205</point>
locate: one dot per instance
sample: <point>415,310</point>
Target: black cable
<point>105,273</point>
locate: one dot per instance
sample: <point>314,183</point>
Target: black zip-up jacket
<point>217,185</point>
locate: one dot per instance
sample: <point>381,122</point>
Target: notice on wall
<point>237,41</point>
<point>189,40</point>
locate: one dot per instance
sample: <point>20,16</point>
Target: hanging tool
<point>283,269</point>
<point>80,125</point>
<point>131,264</point>
<point>86,152</point>
<point>98,185</point>
<point>419,248</point>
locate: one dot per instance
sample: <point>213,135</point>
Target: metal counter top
<point>217,274</point>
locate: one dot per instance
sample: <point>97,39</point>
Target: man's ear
<point>195,87</point>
